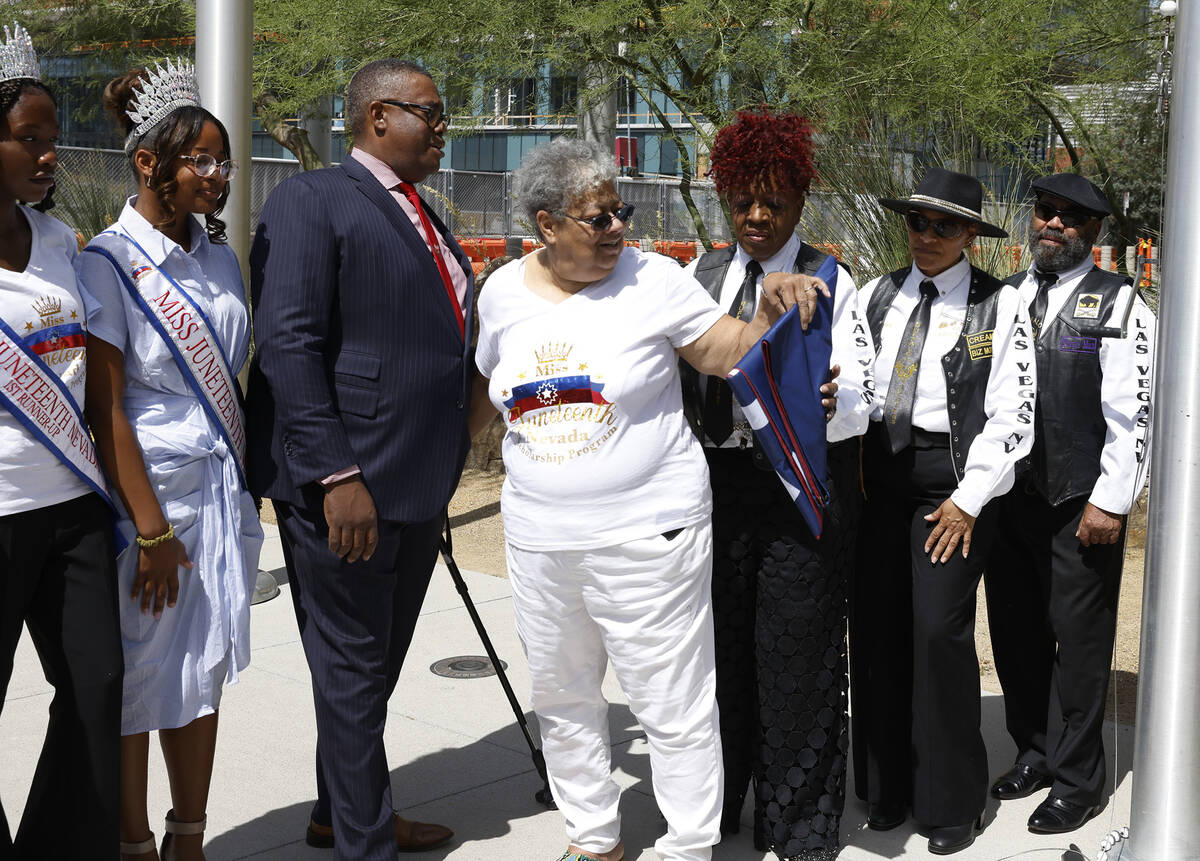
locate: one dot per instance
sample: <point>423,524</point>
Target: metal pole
<point>1166,774</point>
<point>224,45</point>
<point>224,48</point>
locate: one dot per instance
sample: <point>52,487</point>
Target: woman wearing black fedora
<point>953,415</point>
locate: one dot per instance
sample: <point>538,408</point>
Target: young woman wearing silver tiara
<point>56,555</point>
<point>170,330</point>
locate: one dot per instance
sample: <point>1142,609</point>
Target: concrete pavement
<point>458,757</point>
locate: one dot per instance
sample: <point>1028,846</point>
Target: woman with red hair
<point>779,593</point>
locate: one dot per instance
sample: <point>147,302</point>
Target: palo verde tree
<point>950,78</point>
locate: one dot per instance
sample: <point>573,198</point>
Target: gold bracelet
<point>146,543</point>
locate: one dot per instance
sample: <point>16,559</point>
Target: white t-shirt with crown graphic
<point>42,306</point>
<point>597,448</point>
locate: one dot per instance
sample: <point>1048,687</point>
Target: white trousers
<point>645,606</point>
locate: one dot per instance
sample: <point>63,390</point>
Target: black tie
<point>718,398</point>
<point>1037,308</point>
<point>898,409</point>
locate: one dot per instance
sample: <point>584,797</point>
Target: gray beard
<point>1061,258</point>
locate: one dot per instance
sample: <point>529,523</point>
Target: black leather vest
<point>1069,427</point>
<point>966,367</point>
<point>710,272</point>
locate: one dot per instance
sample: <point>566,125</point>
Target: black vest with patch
<point>966,367</point>
<point>710,272</point>
<point>1069,426</point>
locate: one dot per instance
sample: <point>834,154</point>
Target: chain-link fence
<point>481,204</point>
<point>94,184</point>
<point>91,189</point>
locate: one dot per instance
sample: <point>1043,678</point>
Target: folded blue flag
<point>778,384</point>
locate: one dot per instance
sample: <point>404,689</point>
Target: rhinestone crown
<point>162,91</point>
<point>17,57</point>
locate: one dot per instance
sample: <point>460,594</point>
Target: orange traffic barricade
<point>471,248</point>
<point>684,252</point>
<point>1145,250</point>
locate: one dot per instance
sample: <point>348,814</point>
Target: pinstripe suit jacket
<point>358,355</point>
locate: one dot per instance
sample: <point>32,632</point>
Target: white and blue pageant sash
<point>40,401</point>
<point>190,337</point>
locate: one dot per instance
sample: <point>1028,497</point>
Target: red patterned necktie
<point>431,239</point>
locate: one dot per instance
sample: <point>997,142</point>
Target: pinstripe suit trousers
<point>356,621</point>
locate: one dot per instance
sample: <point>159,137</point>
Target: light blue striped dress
<point>175,666</point>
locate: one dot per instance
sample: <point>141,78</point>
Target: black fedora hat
<point>952,193</point>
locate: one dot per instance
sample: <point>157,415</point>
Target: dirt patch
<point>1122,694</point>
<point>475,523</point>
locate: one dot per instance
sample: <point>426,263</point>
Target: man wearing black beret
<point>1054,570</point>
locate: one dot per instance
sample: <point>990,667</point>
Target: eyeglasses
<point>435,115</point>
<point>204,165</point>
<point>947,228</point>
<point>604,220</point>
<point>1072,216</point>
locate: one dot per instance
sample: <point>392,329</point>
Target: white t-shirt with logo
<point>597,448</point>
<point>42,306</point>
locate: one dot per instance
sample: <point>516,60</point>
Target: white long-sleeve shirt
<point>1127,371</point>
<point>852,348</point>
<point>1007,435</point>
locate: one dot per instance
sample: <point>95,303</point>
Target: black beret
<point>1076,189</point>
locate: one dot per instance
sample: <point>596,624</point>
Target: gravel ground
<point>479,546</point>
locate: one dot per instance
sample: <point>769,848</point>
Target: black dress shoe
<point>885,815</point>
<point>1018,782</point>
<point>1057,816</point>
<point>954,838</point>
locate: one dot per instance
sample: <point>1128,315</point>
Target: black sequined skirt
<point>779,606</point>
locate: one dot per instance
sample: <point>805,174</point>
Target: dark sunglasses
<point>601,222</point>
<point>434,114</point>
<point>1072,216</point>
<point>947,228</point>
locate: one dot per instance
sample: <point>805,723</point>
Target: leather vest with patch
<point>1069,426</point>
<point>710,272</point>
<point>966,367</point>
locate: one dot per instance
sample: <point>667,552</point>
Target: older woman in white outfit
<point>606,504</point>
<point>169,330</point>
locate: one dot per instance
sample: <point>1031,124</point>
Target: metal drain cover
<point>465,667</point>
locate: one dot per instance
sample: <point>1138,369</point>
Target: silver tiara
<point>162,91</point>
<point>17,57</point>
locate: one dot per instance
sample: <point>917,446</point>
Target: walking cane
<point>543,795</point>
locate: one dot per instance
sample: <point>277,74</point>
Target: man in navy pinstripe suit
<point>357,426</point>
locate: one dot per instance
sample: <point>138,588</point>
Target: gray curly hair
<point>553,175</point>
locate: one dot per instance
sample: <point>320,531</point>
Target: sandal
<point>580,855</point>
<point>173,827</point>
<point>140,848</point>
